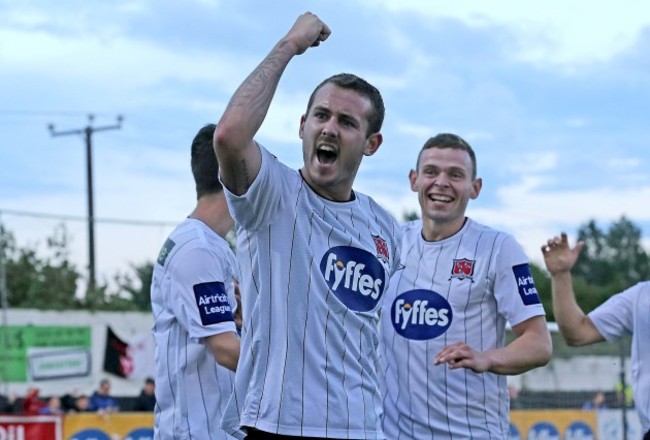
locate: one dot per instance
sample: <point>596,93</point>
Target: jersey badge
<point>463,268</point>
<point>526,284</point>
<point>165,250</point>
<point>382,248</point>
<point>212,303</point>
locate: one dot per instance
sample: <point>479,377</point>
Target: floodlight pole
<point>88,133</point>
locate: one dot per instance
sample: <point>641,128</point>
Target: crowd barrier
<point>562,424</point>
<point>88,426</point>
<point>524,425</point>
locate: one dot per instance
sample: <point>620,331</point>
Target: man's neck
<point>436,231</point>
<point>212,210</point>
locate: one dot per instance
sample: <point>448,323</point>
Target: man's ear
<point>477,184</point>
<point>372,144</point>
<point>302,125</point>
<point>413,175</point>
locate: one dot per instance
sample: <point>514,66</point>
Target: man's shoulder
<point>372,207</point>
<point>473,226</point>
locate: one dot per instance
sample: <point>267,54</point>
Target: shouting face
<point>335,138</point>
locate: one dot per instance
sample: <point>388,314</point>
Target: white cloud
<point>554,31</point>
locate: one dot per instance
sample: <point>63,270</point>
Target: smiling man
<point>316,257</point>
<point>444,314</point>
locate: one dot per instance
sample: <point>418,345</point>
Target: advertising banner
<point>28,428</point>
<point>553,425</point>
<point>123,426</point>
<point>45,352</point>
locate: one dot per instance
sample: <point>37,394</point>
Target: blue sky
<point>552,95</point>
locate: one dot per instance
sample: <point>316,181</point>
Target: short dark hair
<point>362,87</point>
<point>449,140</point>
<point>205,167</point>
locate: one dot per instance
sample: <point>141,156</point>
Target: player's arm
<point>575,326</point>
<point>239,156</point>
<point>225,348</point>
<point>532,348</point>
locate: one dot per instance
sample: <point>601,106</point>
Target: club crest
<point>382,248</point>
<point>463,268</point>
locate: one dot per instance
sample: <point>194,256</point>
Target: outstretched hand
<point>308,31</point>
<point>559,256</point>
<point>461,355</point>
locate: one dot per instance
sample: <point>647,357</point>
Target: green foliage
<point>136,287</point>
<point>610,262</point>
<point>50,282</point>
<point>410,216</point>
<point>34,281</point>
<point>614,258</point>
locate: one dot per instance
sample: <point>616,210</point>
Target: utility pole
<point>88,133</point>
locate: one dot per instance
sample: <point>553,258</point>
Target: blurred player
<point>625,313</point>
<point>444,316</point>
<point>320,256</point>
<point>193,301</point>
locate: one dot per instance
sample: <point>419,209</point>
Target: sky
<point>553,96</point>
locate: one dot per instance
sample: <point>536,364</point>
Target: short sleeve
<point>514,289</point>
<point>205,301</point>
<point>615,317</point>
<point>262,202</point>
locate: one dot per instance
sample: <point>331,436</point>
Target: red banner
<point>30,427</point>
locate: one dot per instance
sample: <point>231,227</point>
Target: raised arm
<point>576,327</point>
<point>238,154</point>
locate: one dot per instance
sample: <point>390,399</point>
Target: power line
<point>82,218</point>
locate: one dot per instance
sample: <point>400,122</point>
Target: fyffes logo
<point>355,276</point>
<point>421,314</point>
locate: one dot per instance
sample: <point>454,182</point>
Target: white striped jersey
<point>628,313</point>
<point>192,295</point>
<point>318,271</point>
<point>460,289</point>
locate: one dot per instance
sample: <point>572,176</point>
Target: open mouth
<point>440,198</point>
<point>326,154</point>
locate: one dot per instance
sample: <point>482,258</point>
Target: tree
<point>33,281</point>
<point>615,259</point>
<point>137,290</point>
<point>408,216</point>
<point>50,282</point>
<point>609,263</point>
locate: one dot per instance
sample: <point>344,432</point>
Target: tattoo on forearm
<point>256,92</point>
<point>240,177</point>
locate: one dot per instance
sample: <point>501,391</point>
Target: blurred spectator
<point>82,403</point>
<point>53,407</point>
<point>146,401</point>
<point>624,397</point>
<point>101,400</point>
<point>32,404</point>
<point>513,393</point>
<point>596,402</point>
<point>9,404</point>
